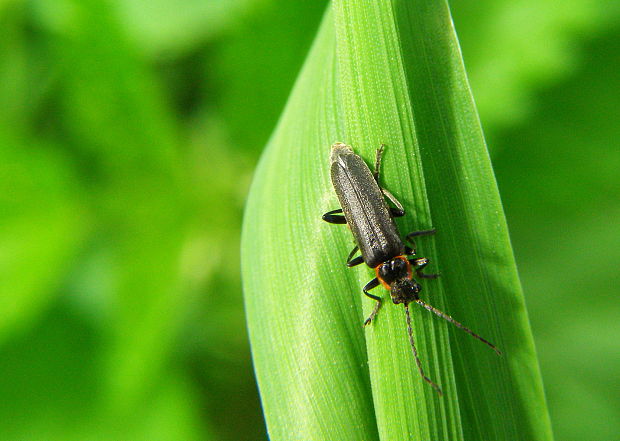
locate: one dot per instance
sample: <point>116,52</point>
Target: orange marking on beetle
<point>385,285</point>
<point>401,257</point>
<point>409,270</point>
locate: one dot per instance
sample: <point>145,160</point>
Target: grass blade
<point>386,73</point>
<point>303,318</point>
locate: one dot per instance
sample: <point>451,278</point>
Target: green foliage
<point>566,237</point>
<point>388,74</point>
<point>516,48</point>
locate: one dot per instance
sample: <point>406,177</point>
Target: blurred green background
<point>128,135</point>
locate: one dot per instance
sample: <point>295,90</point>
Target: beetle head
<point>395,275</point>
<point>405,291</point>
<point>394,270</point>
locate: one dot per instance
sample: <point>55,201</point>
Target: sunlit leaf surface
<point>391,73</point>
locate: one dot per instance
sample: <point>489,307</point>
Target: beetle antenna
<point>445,316</point>
<point>415,352</point>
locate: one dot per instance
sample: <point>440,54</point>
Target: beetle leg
<point>421,233</point>
<point>396,212</point>
<point>399,210</point>
<point>370,285</point>
<point>352,253</point>
<point>420,263</point>
<point>378,162</point>
<point>418,233</point>
<point>353,262</point>
<point>333,218</point>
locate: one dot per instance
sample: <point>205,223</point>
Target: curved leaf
<point>386,73</point>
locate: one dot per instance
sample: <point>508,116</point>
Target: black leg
<point>370,285</point>
<point>420,263</point>
<point>421,233</point>
<point>378,162</point>
<point>399,210</point>
<point>333,218</point>
<point>353,262</point>
<point>352,253</point>
<point>415,234</point>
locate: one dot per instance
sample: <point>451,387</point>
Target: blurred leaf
<point>42,228</point>
<point>565,230</point>
<point>115,118</point>
<point>264,53</point>
<point>13,69</point>
<point>513,49</point>
<point>49,397</point>
<point>390,73</point>
<point>46,396</point>
<point>163,28</point>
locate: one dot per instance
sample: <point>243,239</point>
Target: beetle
<point>371,220</point>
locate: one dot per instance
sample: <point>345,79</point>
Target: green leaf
<point>387,73</point>
<point>43,225</point>
<point>115,115</point>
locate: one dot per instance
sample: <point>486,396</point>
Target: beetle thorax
<point>393,270</point>
<point>395,275</point>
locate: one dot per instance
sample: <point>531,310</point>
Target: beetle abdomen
<point>364,207</point>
